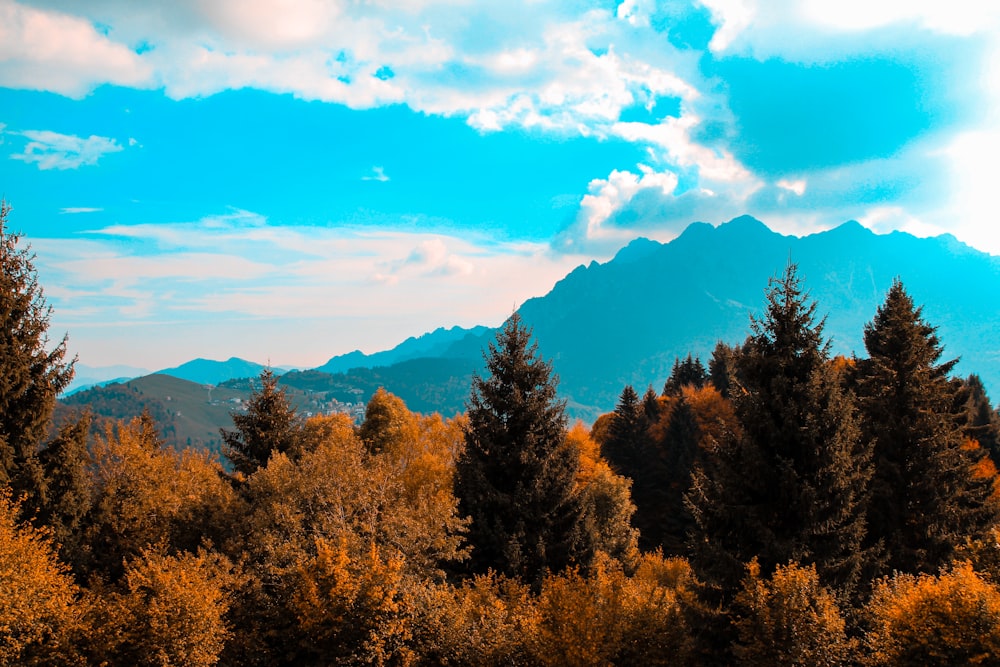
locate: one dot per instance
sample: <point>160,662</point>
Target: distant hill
<point>90,376</point>
<point>437,343</point>
<point>189,413</point>
<point>206,371</point>
<point>625,321</point>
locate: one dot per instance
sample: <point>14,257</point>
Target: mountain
<point>89,376</point>
<point>625,321</point>
<point>437,343</point>
<point>206,371</point>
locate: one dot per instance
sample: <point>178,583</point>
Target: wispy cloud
<point>80,209</point>
<point>377,174</point>
<point>51,150</point>
<point>215,277</point>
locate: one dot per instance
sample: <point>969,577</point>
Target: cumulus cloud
<point>60,52</point>
<point>51,150</point>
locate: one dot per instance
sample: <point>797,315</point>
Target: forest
<point>775,505</point>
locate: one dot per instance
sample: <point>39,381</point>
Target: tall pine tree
<point>268,425</point>
<point>31,374</point>
<point>792,487</point>
<point>925,499</point>
<point>516,477</point>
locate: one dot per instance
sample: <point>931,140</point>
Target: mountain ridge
<point>624,321</point>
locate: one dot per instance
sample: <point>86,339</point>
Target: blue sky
<point>287,181</point>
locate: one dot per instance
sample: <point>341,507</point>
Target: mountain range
<point>626,320</point>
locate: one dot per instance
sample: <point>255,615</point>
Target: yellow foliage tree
<point>789,619</point>
<point>147,494</point>
<point>609,618</point>
<point>166,611</point>
<point>352,609</point>
<point>37,594</point>
<point>949,619</point>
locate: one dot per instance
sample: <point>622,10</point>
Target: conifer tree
<point>925,499</point>
<point>690,371</point>
<point>68,492</point>
<point>269,425</point>
<point>792,486</point>
<point>516,478</point>
<point>31,374</point>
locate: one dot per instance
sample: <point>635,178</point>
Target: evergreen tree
<point>31,374</point>
<point>269,425</point>
<point>792,486</point>
<point>68,492</point>
<point>690,371</point>
<point>516,478</point>
<point>624,446</point>
<point>681,450</point>
<point>925,499</point>
<point>722,368</point>
<point>982,420</point>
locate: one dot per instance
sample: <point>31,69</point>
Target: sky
<point>287,181</point>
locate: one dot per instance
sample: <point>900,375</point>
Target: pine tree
<point>516,477</point>
<point>925,499</point>
<point>690,371</point>
<point>681,451</point>
<point>68,492</point>
<point>792,487</point>
<point>269,425</point>
<point>31,374</point>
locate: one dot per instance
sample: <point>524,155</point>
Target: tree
<point>926,499</point>
<point>31,374</point>
<point>789,619</point>
<point>949,619</point>
<point>37,594</point>
<point>269,425</point>
<point>516,478</point>
<point>690,371</point>
<point>792,486</point>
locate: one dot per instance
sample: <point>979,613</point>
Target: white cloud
<point>47,50</point>
<point>51,150</point>
<point>232,269</point>
<point>80,209</point>
<point>377,174</point>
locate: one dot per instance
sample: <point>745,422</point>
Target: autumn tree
<point>32,373</point>
<point>37,594</point>
<point>167,610</point>
<point>268,425</point>
<point>146,494</point>
<point>952,618</point>
<point>789,618</point>
<point>926,499</point>
<point>792,485</point>
<point>516,478</point>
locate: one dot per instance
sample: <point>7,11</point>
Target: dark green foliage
<point>925,500</point>
<point>681,450</point>
<point>982,420</point>
<point>31,375</point>
<point>792,488</point>
<point>722,368</point>
<point>516,477</point>
<point>269,425</point>
<point>690,371</point>
<point>68,492</point>
<point>630,452</point>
